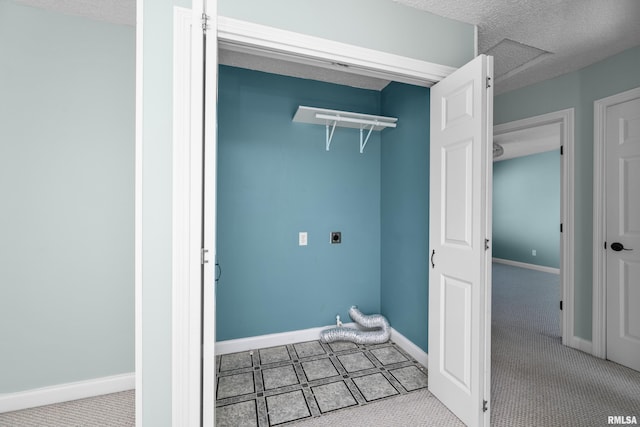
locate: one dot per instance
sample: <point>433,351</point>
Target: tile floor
<point>280,385</point>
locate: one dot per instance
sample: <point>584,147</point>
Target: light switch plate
<point>302,238</point>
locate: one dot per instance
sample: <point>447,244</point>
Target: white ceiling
<point>562,35</point>
<point>531,40</point>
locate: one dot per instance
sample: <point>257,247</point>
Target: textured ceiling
<point>575,33</point>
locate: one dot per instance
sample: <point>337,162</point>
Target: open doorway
<point>522,146</point>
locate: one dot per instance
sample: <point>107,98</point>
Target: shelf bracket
<point>363,142</point>
<point>330,134</point>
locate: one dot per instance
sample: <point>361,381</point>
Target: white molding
<point>599,314</point>
<point>270,340</point>
<point>181,211</point>
<point>407,345</point>
<point>246,37</point>
<point>311,334</point>
<point>566,118</point>
<point>581,344</point>
<point>66,392</point>
<point>138,207</point>
<point>527,265</point>
<point>208,230</point>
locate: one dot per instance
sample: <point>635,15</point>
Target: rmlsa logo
<point>621,419</point>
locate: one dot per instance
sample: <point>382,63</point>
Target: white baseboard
<point>407,345</point>
<point>580,344</point>
<point>66,392</point>
<point>527,265</point>
<point>270,340</point>
<point>284,338</point>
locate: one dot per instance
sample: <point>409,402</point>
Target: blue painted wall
<point>275,180</point>
<point>405,212</point>
<point>526,209</point>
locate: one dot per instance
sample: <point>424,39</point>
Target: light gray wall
<point>156,185</point>
<point>67,188</point>
<point>382,25</point>
<point>578,90</point>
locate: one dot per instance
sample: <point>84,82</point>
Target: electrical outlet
<point>533,252</point>
<point>336,237</point>
<point>302,238</point>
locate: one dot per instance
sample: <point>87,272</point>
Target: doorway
<point>415,71</point>
<point>535,135</point>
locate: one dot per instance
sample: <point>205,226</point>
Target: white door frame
<point>567,173</point>
<point>599,316</point>
<point>275,43</point>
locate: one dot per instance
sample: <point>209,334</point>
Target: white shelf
<point>334,118</point>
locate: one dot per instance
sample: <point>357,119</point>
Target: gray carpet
<point>535,380</point>
<point>114,410</point>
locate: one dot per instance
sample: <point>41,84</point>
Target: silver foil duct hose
<point>380,335</point>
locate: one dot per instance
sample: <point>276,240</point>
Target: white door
<point>622,201</point>
<point>209,155</point>
<point>459,233</point>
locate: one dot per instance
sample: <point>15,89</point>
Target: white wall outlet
<point>302,238</point>
<point>533,252</point>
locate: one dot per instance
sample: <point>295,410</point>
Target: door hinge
<point>562,150</point>
<point>484,406</point>
<point>561,227</point>
<point>205,20</point>
<point>560,305</point>
<point>488,82</point>
<point>203,254</point>
<point>486,244</point>
<point>605,245</point>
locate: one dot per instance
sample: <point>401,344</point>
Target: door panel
<point>622,165</point>
<point>455,341</point>
<point>459,280</point>
<point>457,215</point>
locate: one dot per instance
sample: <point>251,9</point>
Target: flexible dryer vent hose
<point>378,336</point>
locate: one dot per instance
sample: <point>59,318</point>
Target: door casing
<point>269,42</point>
<point>566,120</point>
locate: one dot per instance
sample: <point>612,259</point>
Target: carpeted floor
<point>110,410</point>
<point>535,380</point>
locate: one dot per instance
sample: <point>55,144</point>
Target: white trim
<point>138,208</point>
<point>271,42</point>
<point>270,340</point>
<point>582,345</point>
<point>567,207</point>
<point>207,314</point>
<point>475,40</point>
<point>527,265</point>
<point>180,379</point>
<point>261,40</point>
<point>311,334</point>
<point>407,345</point>
<point>66,392</point>
<point>599,315</point>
